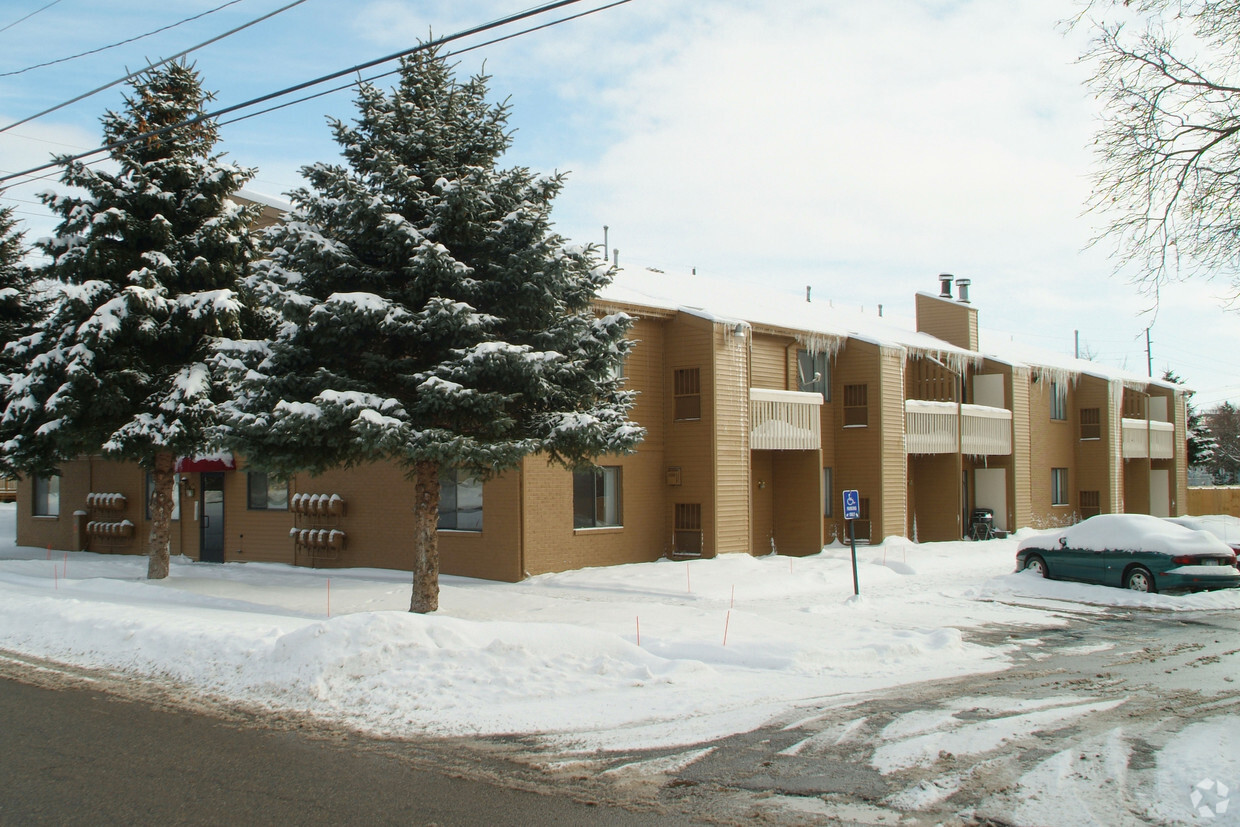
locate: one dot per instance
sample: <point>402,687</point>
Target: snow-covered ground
<point>662,653</point>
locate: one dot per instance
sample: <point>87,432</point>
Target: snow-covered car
<point>1135,551</point>
<point>1223,526</point>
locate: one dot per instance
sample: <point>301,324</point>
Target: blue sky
<point>857,148</point>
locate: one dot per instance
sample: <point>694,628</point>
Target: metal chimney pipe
<point>945,285</point>
<point>807,292</point>
<point>962,285</point>
<point>616,257</point>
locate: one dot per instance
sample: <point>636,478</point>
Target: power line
<point>382,75</point>
<point>134,74</point>
<point>27,17</point>
<point>119,43</point>
<point>307,84</point>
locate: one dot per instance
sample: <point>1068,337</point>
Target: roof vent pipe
<point>945,285</point>
<point>962,286</point>
<point>616,257</point>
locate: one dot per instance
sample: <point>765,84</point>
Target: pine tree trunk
<point>161,515</point>
<point>426,539</point>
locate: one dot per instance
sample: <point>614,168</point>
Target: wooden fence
<point>1222,499</point>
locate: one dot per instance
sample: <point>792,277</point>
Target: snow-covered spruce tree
<point>144,273</point>
<point>1200,441</point>
<point>428,315</point>
<point>19,304</point>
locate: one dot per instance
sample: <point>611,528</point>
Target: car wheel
<point>1139,579</point>
<point>1036,564</point>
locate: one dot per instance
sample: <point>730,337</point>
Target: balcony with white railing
<point>784,420</point>
<point>1157,441</point>
<point>930,428</point>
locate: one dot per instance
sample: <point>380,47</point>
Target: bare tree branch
<point>1167,180</point>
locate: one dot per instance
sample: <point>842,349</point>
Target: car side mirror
<point>1063,542</point>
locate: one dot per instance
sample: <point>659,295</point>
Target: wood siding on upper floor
<point>731,443</point>
<point>690,444</point>
<point>948,320</point>
<point>890,518</point>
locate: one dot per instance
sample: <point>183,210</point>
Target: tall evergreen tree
<point>20,305</point>
<point>145,268</point>
<point>1201,442</point>
<point>1224,423</point>
<point>428,315</point>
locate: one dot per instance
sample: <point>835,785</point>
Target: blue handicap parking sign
<point>852,504</point>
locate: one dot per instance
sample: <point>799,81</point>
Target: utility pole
<point>1149,356</point>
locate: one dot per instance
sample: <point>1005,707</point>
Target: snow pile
<point>650,654</point>
<point>1106,532</point>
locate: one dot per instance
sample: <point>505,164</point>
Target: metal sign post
<point>852,511</point>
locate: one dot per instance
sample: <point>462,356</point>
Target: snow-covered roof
<point>821,319</point>
<point>774,307</point>
<point>281,204</point>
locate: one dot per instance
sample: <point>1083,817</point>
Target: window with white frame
<point>596,497</point>
<point>1059,401</point>
<point>460,501</point>
<point>1059,486</point>
<point>813,374</point>
<point>46,497</point>
<point>266,492</point>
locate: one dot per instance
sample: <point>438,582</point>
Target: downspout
<point>521,521</point>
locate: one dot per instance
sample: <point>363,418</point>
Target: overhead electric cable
<point>134,74</point>
<point>119,42</point>
<point>27,17</point>
<point>307,84</point>
<point>373,78</point>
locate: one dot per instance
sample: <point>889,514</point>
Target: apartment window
<point>596,497</point>
<point>176,494</point>
<point>460,501</point>
<point>687,529</point>
<point>615,370</point>
<point>856,406</point>
<point>813,374</point>
<point>1091,504</point>
<point>266,492</point>
<point>687,393</point>
<point>1059,401</point>
<point>1059,486</point>
<point>828,495</point>
<point>1091,423</point>
<point>46,497</point>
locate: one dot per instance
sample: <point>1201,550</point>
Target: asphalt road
<point>140,753</point>
<point>77,756</point>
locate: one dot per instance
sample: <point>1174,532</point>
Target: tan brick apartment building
<point>760,409</point>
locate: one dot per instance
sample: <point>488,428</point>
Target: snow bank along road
<point>656,680</point>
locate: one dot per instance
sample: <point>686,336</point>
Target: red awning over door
<point>222,462</point>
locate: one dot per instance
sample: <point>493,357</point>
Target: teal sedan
<point>1132,551</point>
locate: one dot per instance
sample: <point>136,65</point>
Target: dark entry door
<point>211,548</point>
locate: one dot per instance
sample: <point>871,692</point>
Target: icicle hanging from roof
<point>1062,376</point>
<point>956,361</point>
<point>821,342</point>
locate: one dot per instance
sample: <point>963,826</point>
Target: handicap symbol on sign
<point>852,504</point>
